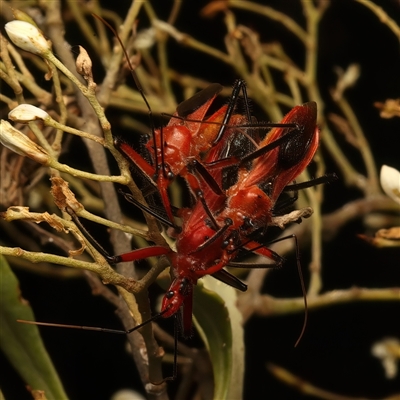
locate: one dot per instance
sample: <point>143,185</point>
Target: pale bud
<point>145,39</point>
<point>390,182</point>
<point>347,79</point>
<point>127,394</point>
<point>27,37</point>
<point>84,64</point>
<point>25,113</point>
<point>16,141</point>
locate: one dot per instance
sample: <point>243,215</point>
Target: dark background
<point>335,352</point>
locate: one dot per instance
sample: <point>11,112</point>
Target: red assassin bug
<point>187,135</point>
<point>273,168</point>
<point>177,143</point>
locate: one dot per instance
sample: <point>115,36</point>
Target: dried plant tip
<point>16,141</point>
<point>389,109</point>
<point>295,216</point>
<point>391,233</point>
<point>84,64</point>
<point>379,241</point>
<point>25,113</point>
<point>63,197</point>
<point>390,182</point>
<point>27,37</point>
<point>213,8</point>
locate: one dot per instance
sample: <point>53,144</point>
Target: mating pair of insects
<point>225,215</point>
<point>223,219</point>
<point>207,151</point>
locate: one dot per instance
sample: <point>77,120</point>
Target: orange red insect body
<point>213,231</point>
<point>274,170</point>
<point>173,147</point>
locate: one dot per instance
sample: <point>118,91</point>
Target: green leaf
<point>219,323</point>
<point>21,343</point>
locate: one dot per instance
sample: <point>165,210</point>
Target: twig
<point>383,17</point>
<point>309,389</point>
<point>266,306</point>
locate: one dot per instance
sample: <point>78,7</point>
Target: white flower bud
<point>127,394</point>
<point>27,37</point>
<point>145,39</point>
<point>25,113</point>
<point>16,141</point>
<point>390,182</point>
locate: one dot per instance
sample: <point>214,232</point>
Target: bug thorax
<point>251,203</point>
<point>174,148</point>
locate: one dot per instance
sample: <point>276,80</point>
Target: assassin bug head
<point>179,297</point>
<point>174,298</point>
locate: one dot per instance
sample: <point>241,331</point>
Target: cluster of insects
<point>236,170</point>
